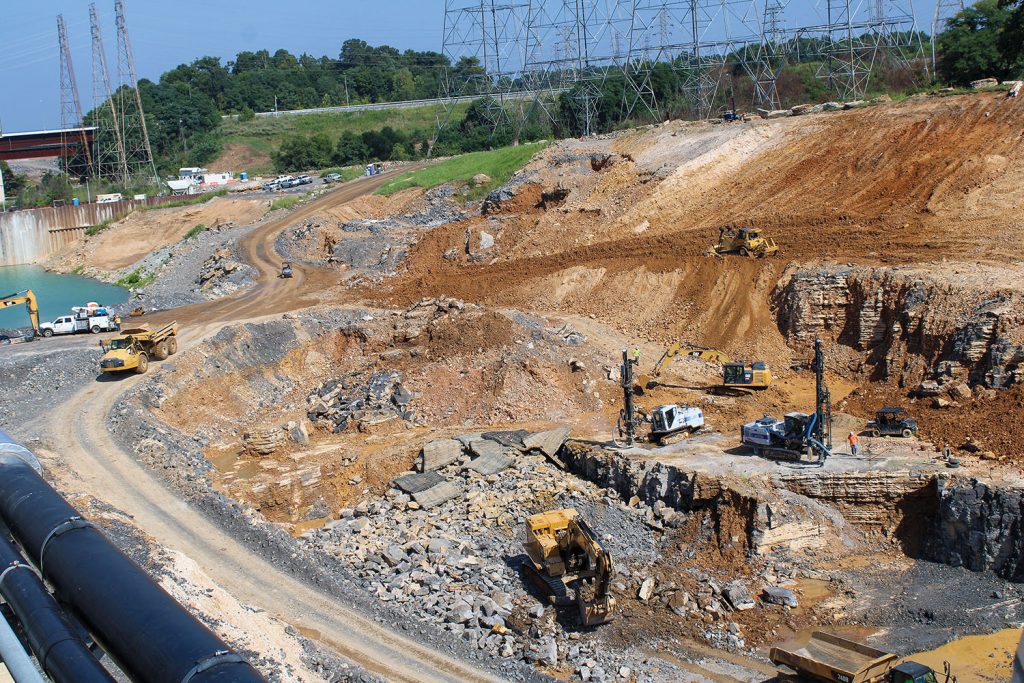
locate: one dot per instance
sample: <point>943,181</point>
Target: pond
<point>55,292</point>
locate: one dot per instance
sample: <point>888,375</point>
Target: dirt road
<point>93,463</point>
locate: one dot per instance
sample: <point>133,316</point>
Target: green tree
<point>350,149</point>
<point>300,153</point>
<point>970,47</point>
<point>1011,42</point>
<point>13,183</point>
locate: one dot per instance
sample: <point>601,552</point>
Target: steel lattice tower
<point>128,104</point>
<point>110,158</point>
<point>944,11</point>
<point>70,104</point>
<point>521,54</point>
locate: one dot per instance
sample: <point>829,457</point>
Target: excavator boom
<point>28,298</point>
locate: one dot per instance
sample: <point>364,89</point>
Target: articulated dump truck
<point>132,349</point>
<point>825,657</point>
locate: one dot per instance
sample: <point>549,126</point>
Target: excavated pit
<point>305,422</point>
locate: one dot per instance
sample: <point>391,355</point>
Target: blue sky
<point>165,33</point>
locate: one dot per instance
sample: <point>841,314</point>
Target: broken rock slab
<point>549,443</point>
<point>739,597</point>
<point>510,438</point>
<point>780,596</point>
<point>436,495</point>
<point>492,463</point>
<point>440,453</point>
<point>415,483</point>
<point>485,447</point>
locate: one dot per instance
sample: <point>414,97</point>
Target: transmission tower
<point>131,117</point>
<point>110,158</point>
<point>944,11</point>
<point>70,104</point>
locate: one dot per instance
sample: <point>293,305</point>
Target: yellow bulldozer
<point>132,349</point>
<point>565,555</point>
<point>745,242</point>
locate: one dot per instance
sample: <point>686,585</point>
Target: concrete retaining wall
<point>30,235</point>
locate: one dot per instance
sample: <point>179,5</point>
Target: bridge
<point>42,144</point>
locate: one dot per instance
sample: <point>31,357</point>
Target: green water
<point>56,293</point>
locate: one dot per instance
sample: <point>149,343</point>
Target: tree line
<point>185,107</point>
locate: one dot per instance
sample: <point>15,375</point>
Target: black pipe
<point>54,641</point>
<point>151,637</point>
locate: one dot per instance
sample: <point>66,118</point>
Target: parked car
<point>304,180</point>
<point>332,177</point>
<point>272,186</point>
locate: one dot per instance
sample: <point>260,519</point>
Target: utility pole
<point>3,195</point>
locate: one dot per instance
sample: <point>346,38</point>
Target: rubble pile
<point>455,562</point>
<point>355,398</point>
<point>221,263</point>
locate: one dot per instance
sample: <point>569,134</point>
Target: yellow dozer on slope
<point>565,555</point>
<point>745,242</point>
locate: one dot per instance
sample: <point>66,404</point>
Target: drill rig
<point>798,435</point>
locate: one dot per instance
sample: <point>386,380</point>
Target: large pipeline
<point>14,657</point>
<point>151,637</point>
<point>54,641</point>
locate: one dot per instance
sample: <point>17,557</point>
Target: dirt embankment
<point>617,229</point>
<point>143,232</point>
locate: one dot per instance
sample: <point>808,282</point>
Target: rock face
<point>955,521</point>
<point>978,527</point>
<point>264,442</point>
<point>908,324</point>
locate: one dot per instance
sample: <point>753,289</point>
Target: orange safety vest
<point>853,439</point>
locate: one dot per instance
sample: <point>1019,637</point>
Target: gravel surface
<point>178,270</point>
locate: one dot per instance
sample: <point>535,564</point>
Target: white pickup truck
<point>98,321</point>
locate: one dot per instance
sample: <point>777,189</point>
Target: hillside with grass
<point>251,145</point>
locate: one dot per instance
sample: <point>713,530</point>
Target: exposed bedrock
<point>962,323</point>
<point>958,521</point>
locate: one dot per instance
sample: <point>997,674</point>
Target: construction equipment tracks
<point>93,463</point>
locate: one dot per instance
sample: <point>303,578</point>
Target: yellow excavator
<point>735,374</point>
<point>28,298</point>
<point>565,554</point>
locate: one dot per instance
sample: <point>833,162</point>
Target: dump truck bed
<point>826,657</point>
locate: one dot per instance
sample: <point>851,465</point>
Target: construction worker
<point>636,354</point>
<point>853,439</point>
